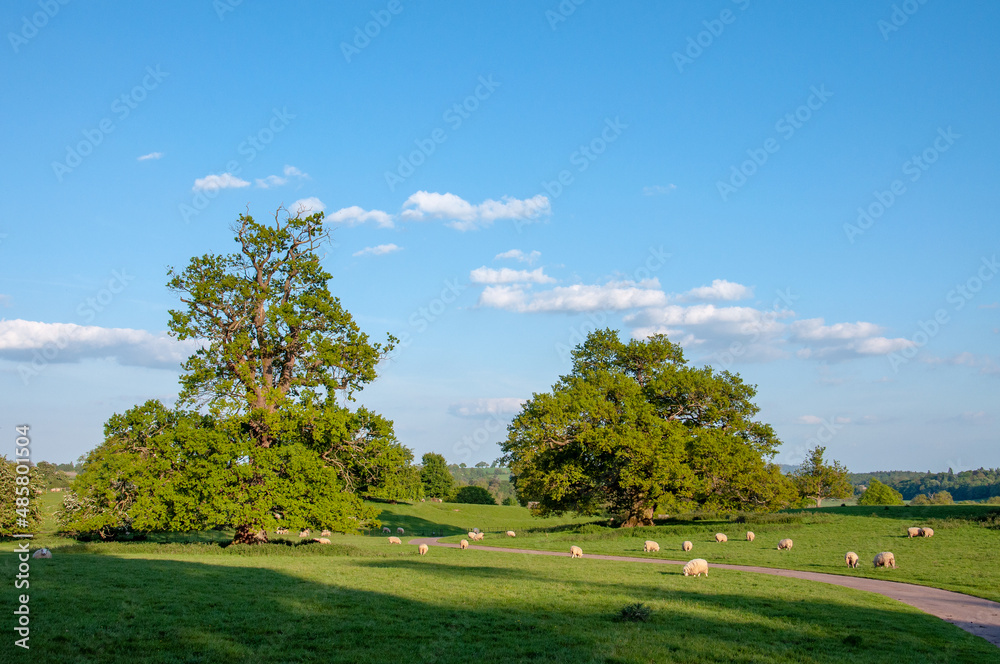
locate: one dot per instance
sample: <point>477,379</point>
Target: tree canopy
<point>816,479</point>
<point>435,476</point>
<point>880,494</point>
<point>474,495</point>
<point>262,435</point>
<point>633,427</point>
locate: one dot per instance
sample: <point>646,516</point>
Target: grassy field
<point>963,555</point>
<point>192,599</point>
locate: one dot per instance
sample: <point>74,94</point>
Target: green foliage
<point>994,500</point>
<point>50,476</point>
<point>816,479</point>
<point>942,498</point>
<point>919,499</point>
<point>435,477</point>
<point>475,495</point>
<point>633,427</point>
<point>978,484</point>
<point>880,494</point>
<point>637,612</point>
<point>510,501</point>
<point>23,487</point>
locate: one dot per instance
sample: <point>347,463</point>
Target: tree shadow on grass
<point>87,609</point>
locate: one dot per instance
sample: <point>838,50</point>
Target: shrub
<point>942,498</point>
<point>637,612</point>
<point>993,500</point>
<point>475,495</point>
<point>920,499</point>
<point>880,494</point>
<point>510,501</point>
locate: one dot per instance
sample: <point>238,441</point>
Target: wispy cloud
<point>719,290</point>
<point>612,296</point>
<point>272,181</point>
<point>463,216</point>
<point>307,206</point>
<point>519,256</point>
<point>485,275</point>
<point>151,155</point>
<point>378,250</point>
<point>481,407</point>
<point>216,182</point>
<point>354,215</point>
<point>658,189</point>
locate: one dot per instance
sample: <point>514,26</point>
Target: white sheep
<point>720,537</point>
<point>385,529</point>
<point>325,533</point>
<point>750,536</point>
<point>42,553</point>
<point>927,532</point>
<point>395,540</point>
<point>304,533</point>
<point>399,531</point>
<point>885,559</point>
<point>852,559</point>
<point>281,531</point>
<point>464,544</point>
<point>785,544</point>
<point>472,535</point>
<point>696,567</point>
<point>423,549</point>
<point>479,537</point>
<point>687,545</point>
<point>510,533</point>
<point>575,552</point>
<point>913,532</point>
<point>650,546</point>
<point>321,540</point>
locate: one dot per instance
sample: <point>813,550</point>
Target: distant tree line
<point>979,484</point>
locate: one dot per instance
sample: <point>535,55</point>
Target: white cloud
<point>719,290</point>
<point>810,419</point>
<point>151,155</point>
<point>813,329</point>
<point>21,340</point>
<point>485,275</point>
<point>378,250</point>
<point>354,215</point>
<point>658,189</point>
<point>307,206</point>
<point>216,182</point>
<point>276,180</point>
<point>464,216</point>
<point>612,296</point>
<point>519,256</point>
<point>481,407</point>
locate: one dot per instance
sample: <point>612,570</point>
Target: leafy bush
<point>920,499</point>
<point>637,612</point>
<point>880,494</point>
<point>474,495</point>
<point>942,498</point>
<point>510,501</point>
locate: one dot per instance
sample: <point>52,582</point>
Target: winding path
<point>973,614</point>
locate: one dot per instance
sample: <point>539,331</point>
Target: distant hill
<point>976,484</point>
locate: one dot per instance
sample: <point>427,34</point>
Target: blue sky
<point>805,195</point>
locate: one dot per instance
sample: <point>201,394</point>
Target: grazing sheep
<point>852,559</point>
<point>650,546</point>
<point>42,553</point>
<point>281,531</point>
<point>325,533</point>
<point>927,532</point>
<point>464,544</point>
<point>395,540</point>
<point>575,552</point>
<point>423,549</point>
<point>304,533</point>
<point>696,567</point>
<point>885,559</point>
<point>913,532</point>
<point>785,544</point>
<point>719,537</point>
<point>472,535</point>
<point>475,530</point>
<point>478,536</point>
<point>687,546</point>
<point>750,536</point>
<point>510,533</point>
<point>321,540</point>
<point>385,529</point>
<point>399,531</point>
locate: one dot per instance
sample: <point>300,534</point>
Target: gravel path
<point>973,614</point>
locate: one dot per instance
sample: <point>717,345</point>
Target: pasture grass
<point>387,603</point>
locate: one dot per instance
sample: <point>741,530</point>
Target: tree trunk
<point>249,535</point>
<point>819,501</point>
<point>640,516</point>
